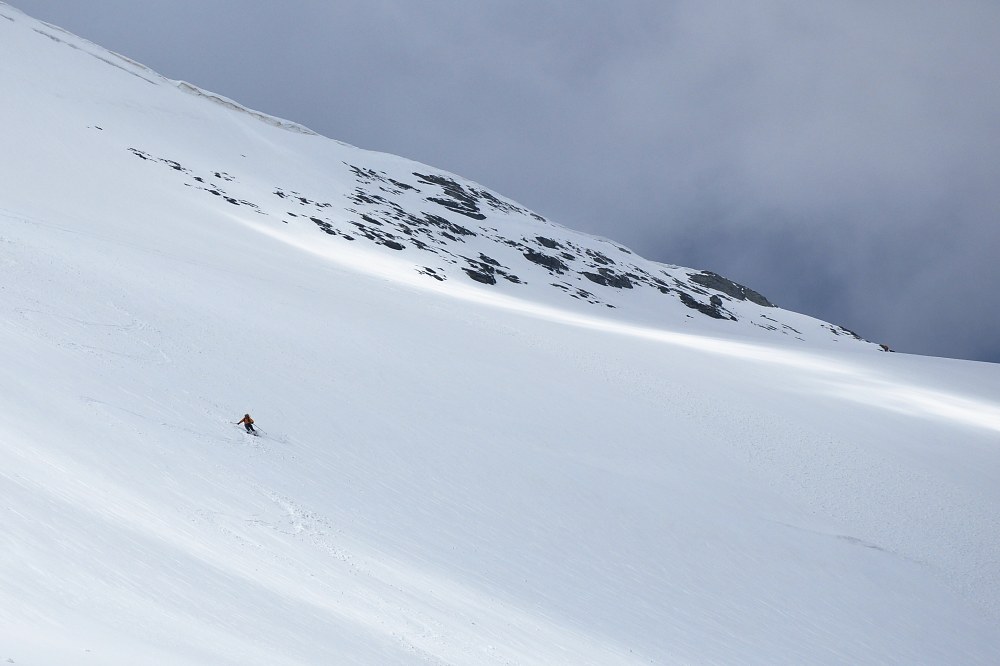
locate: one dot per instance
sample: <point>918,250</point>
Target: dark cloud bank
<point>841,158</point>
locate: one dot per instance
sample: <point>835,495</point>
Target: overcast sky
<point>842,158</point>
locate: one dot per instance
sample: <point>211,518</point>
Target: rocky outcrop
<point>456,229</point>
<point>729,288</point>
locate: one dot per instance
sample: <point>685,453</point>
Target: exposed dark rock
<point>369,233</point>
<point>370,176</point>
<point>366,176</point>
<point>482,271</point>
<point>500,205</point>
<point>442,223</point>
<point>451,205</point>
<point>786,327</point>
<point>431,273</point>
<point>599,257</point>
<point>303,201</point>
<point>458,199</point>
<point>379,216</point>
<point>552,263</point>
<point>402,186</point>
<point>850,333</point>
<point>480,276</point>
<point>324,225</point>
<point>840,330</point>
<point>242,202</point>
<point>608,278</point>
<point>465,199</point>
<point>729,288</point>
<point>711,310</point>
<point>660,284</point>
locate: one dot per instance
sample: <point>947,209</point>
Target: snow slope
<point>451,471</point>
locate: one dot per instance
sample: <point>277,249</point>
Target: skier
<point>247,423</point>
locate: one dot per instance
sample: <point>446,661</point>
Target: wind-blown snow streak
<point>227,103</point>
<point>834,376</point>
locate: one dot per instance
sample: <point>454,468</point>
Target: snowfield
<point>450,471</point>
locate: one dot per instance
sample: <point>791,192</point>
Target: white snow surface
<point>449,472</point>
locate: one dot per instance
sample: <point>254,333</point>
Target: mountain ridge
<point>448,227</point>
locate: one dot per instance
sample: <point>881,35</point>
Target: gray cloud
<point>841,158</point>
